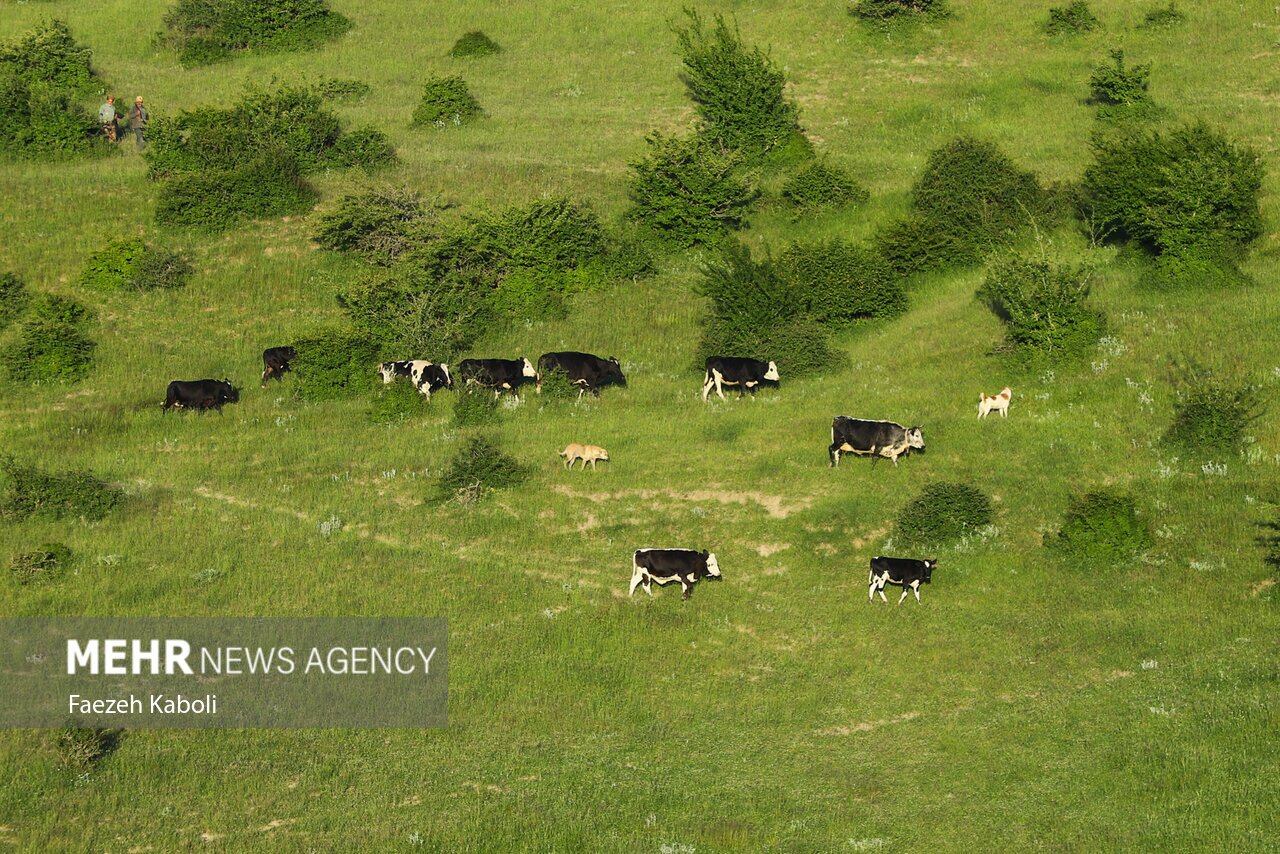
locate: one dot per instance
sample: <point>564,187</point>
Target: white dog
<point>999,403</point>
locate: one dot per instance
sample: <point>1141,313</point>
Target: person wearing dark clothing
<point>138,118</point>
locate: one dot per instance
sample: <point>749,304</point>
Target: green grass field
<point>1024,705</point>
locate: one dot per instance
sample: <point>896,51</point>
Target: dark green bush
<point>527,295</point>
<point>1101,527</point>
<point>265,184</point>
<point>689,190</point>
<point>334,363</point>
<point>131,264</point>
<point>474,406</point>
<point>942,513</point>
<point>79,748</point>
<point>30,491</point>
<point>42,122</point>
<point>205,31</point>
<point>14,299</point>
<point>838,284</point>
<point>477,469</point>
<point>1191,194</point>
<point>970,200</point>
<point>822,186</point>
<point>1163,16</point>
<point>629,255</point>
<point>738,90</point>
<point>380,223</point>
<point>474,43</point>
<point>1121,92</point>
<point>446,101</point>
<point>40,565</point>
<point>48,54</point>
<point>557,388</point>
<point>883,12</point>
<point>755,313</point>
<point>1075,17</point>
<point>1042,306</point>
<point>341,88</point>
<point>51,344</point>
<point>367,147</point>
<point>410,308</point>
<point>397,402</point>
<point>1212,412</point>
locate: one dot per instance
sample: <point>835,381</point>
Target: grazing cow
<point>199,394</point>
<point>876,438</point>
<point>275,361</point>
<point>902,571</point>
<point>746,374</point>
<point>586,453</point>
<point>410,368</point>
<point>999,403</point>
<point>665,565</point>
<point>588,372</point>
<point>431,378</point>
<point>497,374</point>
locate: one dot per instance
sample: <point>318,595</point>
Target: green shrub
<point>942,513</point>
<point>30,491</point>
<point>205,31</point>
<point>1075,17</point>
<point>48,54</point>
<point>884,12</point>
<point>446,101</point>
<point>14,299</point>
<point>474,43</point>
<point>738,90</point>
<point>558,388</point>
<point>527,295</point>
<point>52,344</point>
<point>970,200</point>
<point>396,402</point>
<point>1163,16</point>
<point>42,122</point>
<point>474,406</point>
<point>40,565</point>
<point>628,255</point>
<point>1121,92</point>
<point>412,308</point>
<point>367,147</point>
<point>265,184</point>
<point>477,469</point>
<point>131,264</point>
<point>380,223</point>
<point>1211,413</point>
<point>822,186</point>
<point>1101,527</point>
<point>1191,194</point>
<point>689,190</point>
<point>838,284</point>
<point>756,314</point>
<point>341,88</point>
<point>1042,306</point>
<point>79,748</point>
<point>334,363</point>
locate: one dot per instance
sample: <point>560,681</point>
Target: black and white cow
<point>275,361</point>
<point>874,438</point>
<point>497,374</point>
<point>432,378</point>
<point>746,374</point>
<point>588,372</point>
<point>661,566</point>
<point>410,368</point>
<point>906,572</point>
<point>199,395</point>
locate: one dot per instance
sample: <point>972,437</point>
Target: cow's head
<point>613,372</point>
<point>448,380</point>
<point>929,564</point>
<point>772,374</point>
<point>388,372</point>
<point>229,394</point>
<point>915,439</point>
<point>713,568</point>
<point>528,370</point>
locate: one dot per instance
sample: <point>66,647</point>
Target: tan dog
<point>999,403</point>
<point>586,453</point>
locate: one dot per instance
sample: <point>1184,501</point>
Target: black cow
<point>746,374</point>
<point>497,374</point>
<point>275,361</point>
<point>665,565</point>
<point>903,571</point>
<point>876,438</point>
<point>588,372</point>
<point>199,394</point>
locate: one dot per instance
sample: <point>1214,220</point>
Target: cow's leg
<point>834,452</point>
<point>686,585</point>
<point>905,591</point>
<point>707,383</point>
<point>883,598</point>
<point>636,577</point>
<point>719,378</point>
<point>648,586</point>
<point>871,590</point>
<point>915,588</point>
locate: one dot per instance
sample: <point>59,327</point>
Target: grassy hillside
<point>1025,704</point>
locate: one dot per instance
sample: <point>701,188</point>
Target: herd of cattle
<point>591,373</point>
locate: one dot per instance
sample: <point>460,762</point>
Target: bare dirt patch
<point>1261,586</point>
<point>868,726</point>
<point>777,506</point>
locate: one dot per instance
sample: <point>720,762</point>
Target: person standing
<point>109,116</point>
<point>138,118</point>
